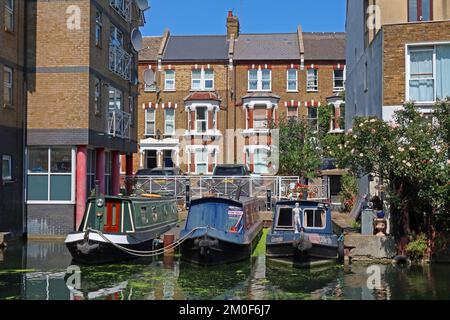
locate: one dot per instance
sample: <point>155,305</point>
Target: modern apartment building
<point>81,103</point>
<point>397,51</point>
<point>212,99</point>
<point>12,109</point>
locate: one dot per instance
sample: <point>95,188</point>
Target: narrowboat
<point>220,230</point>
<point>113,226</point>
<point>302,230</point>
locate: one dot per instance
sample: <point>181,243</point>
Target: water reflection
<point>38,270</point>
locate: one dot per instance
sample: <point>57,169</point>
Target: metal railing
<point>122,7</point>
<point>280,186</point>
<point>120,61</point>
<point>119,123</point>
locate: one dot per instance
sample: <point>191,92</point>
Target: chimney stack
<point>232,25</point>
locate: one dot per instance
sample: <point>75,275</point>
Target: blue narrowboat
<point>220,230</point>
<point>302,230</point>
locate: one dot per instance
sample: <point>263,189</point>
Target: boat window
<point>114,214</point>
<point>285,218</point>
<point>314,218</point>
<point>144,218</point>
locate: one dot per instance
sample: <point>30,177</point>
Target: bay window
<point>201,161</point>
<point>150,122</point>
<point>260,161</point>
<point>260,120</point>
<point>169,80</point>
<point>312,80</point>
<point>50,174</point>
<point>292,84</point>
<point>259,80</point>
<point>429,67</point>
<point>169,122</point>
<point>202,79</point>
<point>201,119</point>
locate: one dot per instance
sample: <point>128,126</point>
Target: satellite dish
<point>136,39</point>
<point>142,4</point>
<point>149,77</point>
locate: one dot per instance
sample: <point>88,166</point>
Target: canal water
<point>39,270</point>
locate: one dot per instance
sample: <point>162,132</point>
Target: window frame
<point>202,80</point>
<point>148,121</point>
<point>201,120</point>
<point>259,80</point>
<point>316,80</point>
<point>316,119</point>
<point>118,99</point>
<point>169,121</point>
<point>9,178</point>
<point>166,80</point>
<point>305,219</point>
<point>288,80</point>
<point>97,96</point>
<point>49,174</point>
<point>335,88</point>
<point>98,29</point>
<point>9,10</point>
<point>255,120</point>
<point>8,86</point>
<point>419,5</point>
<point>206,162</point>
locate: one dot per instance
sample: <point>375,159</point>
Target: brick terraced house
<point>81,102</point>
<point>211,99</point>
<point>12,109</point>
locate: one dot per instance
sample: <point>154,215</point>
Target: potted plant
<point>301,189</point>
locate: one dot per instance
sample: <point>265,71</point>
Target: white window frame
<point>9,10</point>
<point>196,152</point>
<point>296,80</point>
<point>416,47</point>
<point>265,120</point>
<point>49,174</point>
<point>202,80</point>
<point>205,120</point>
<point>8,85</point>
<point>117,35</point>
<point>259,151</point>
<point>316,78</point>
<point>7,158</point>
<point>167,81</point>
<point>335,88</point>
<point>259,79</point>
<point>117,100</point>
<point>149,120</point>
<point>309,119</point>
<point>305,219</point>
<point>166,122</point>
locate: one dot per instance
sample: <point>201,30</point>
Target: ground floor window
<point>201,161</point>
<point>6,168</point>
<point>50,174</point>
<point>168,161</point>
<point>151,159</point>
<point>261,161</point>
<point>91,165</point>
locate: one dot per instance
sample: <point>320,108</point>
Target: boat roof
<point>241,201</point>
<point>302,203</point>
<point>139,198</point>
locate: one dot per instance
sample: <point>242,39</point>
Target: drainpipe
<point>24,122</point>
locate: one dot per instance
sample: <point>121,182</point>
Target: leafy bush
<point>416,248</point>
<point>348,192</point>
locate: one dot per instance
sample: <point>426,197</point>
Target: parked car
<point>231,170</point>
<point>227,178</point>
<point>154,184</point>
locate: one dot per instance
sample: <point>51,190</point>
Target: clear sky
<point>185,17</point>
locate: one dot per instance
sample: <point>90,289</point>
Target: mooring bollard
<point>169,238</point>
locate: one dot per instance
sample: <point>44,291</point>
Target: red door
<point>113,213</point>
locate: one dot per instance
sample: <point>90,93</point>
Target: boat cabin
<point>315,217</point>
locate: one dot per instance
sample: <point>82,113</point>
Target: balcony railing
<point>120,62</point>
<point>119,123</point>
<point>122,7</point>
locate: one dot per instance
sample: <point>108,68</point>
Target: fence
<point>280,186</point>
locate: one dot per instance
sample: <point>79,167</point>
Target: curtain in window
<point>443,71</point>
<point>421,85</point>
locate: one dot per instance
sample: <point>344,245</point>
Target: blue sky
<point>256,16</point>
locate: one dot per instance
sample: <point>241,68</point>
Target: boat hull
<point>289,250</point>
<point>218,251</point>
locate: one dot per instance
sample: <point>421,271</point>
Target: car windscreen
<point>228,171</point>
<point>144,172</point>
<point>161,173</point>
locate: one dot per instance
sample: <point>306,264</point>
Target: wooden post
<point>169,238</point>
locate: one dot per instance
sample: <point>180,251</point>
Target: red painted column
<point>252,162</point>
<point>269,117</point>
<point>81,184</point>
<point>250,118</point>
<point>115,179</point>
<point>100,169</point>
<point>129,172</point>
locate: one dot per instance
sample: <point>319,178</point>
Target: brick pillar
<point>81,184</point>
<point>250,118</point>
<point>100,169</point>
<point>115,179</point>
<point>129,172</point>
<point>192,168</point>
<point>192,120</point>
<point>252,162</point>
<point>210,119</point>
<point>269,117</point>
<point>210,162</point>
<point>337,115</point>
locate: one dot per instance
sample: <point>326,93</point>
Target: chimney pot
<point>230,14</point>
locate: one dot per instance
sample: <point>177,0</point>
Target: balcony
<point>123,8</point>
<point>120,62</point>
<point>119,123</point>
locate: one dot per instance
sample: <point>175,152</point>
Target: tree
<point>411,156</point>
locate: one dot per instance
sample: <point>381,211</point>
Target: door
<point>168,162</point>
<point>151,159</point>
<point>113,213</point>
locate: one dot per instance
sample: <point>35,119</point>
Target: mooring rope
<point>150,253</point>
